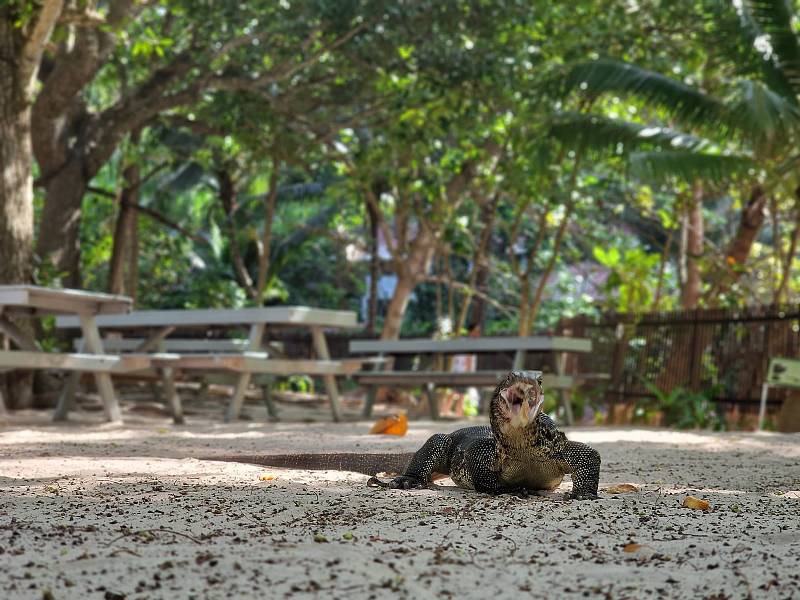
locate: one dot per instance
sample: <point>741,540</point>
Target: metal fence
<point>724,352</point>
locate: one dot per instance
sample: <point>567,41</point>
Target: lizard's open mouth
<point>522,401</point>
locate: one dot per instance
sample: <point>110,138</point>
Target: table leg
<point>67,397</point>
<point>168,381</point>
<point>321,348</point>
<point>433,401</point>
<point>94,345</point>
<point>372,391</point>
<point>156,340</point>
<point>269,401</point>
<point>235,406</point>
<point>519,361</point>
<point>561,361</point>
<point>20,338</point>
<point>762,407</point>
<point>369,401</point>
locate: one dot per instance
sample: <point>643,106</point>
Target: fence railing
<point>721,351</point>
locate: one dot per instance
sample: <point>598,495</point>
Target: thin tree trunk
<point>540,287</point>
<point>786,267</point>
<point>124,231</point>
<point>750,223</point>
<point>374,269</point>
<point>661,269</point>
<point>227,195</point>
<point>479,268</point>
<point>694,249</point>
<point>270,200</point>
<point>413,271</point>
<point>393,322</point>
<point>133,265</point>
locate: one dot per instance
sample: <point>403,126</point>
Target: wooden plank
<point>274,315</point>
<point>45,300</point>
<point>172,345</point>
<point>95,363</point>
<point>259,362</point>
<point>444,378</point>
<point>473,345</point>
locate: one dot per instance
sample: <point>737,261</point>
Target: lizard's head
<point>517,401</point>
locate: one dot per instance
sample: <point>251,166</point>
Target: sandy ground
<point>97,511</point>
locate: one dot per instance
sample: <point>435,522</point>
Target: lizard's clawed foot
<point>581,496</point>
<point>404,482</point>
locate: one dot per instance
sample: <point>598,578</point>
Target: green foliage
<point>682,408</point>
<point>631,281</point>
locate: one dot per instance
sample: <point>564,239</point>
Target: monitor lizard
<point>521,451</point>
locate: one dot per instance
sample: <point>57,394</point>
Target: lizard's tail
<point>368,464</point>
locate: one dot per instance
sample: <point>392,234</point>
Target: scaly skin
<point>521,451</point>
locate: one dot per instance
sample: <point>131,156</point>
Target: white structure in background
<point>387,283</point>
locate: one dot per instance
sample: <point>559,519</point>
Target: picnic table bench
<point>34,302</point>
<point>244,358</point>
<point>520,346</point>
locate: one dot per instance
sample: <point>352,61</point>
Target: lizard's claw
<point>584,496</point>
<point>404,482</point>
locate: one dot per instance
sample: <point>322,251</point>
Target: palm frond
<point>688,166</point>
<point>767,68</point>
<point>687,104</point>
<point>766,118</point>
<point>597,132</point>
<point>774,19</point>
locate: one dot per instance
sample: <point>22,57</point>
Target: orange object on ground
<point>392,425</point>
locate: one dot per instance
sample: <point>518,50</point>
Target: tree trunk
<point>124,231</point>
<point>393,322</point>
<point>16,203</point>
<point>694,249</point>
<point>133,264</point>
<point>19,65</point>
<point>58,242</point>
<point>786,267</point>
<point>750,223</point>
<point>270,200</point>
<point>16,183</point>
<point>227,195</point>
<point>414,270</point>
<point>374,269</point>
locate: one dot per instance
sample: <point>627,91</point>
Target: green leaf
<point>774,19</point>
<point>688,166</point>
<point>766,118</point>
<point>685,103</point>
<point>590,131</point>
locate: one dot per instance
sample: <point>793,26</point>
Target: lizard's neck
<point>514,441</point>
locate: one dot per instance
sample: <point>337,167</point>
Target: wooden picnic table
<point>33,302</point>
<point>561,346</point>
<point>157,325</point>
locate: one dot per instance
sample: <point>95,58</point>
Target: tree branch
<point>34,45</point>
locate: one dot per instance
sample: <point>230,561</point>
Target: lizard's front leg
<point>584,461</point>
<point>433,457</point>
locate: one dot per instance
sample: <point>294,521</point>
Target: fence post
<point>696,354</point>
<point>617,368</point>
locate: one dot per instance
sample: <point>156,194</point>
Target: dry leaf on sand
<point>622,488</point>
<point>267,477</point>
<point>696,503</point>
<point>392,425</point>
